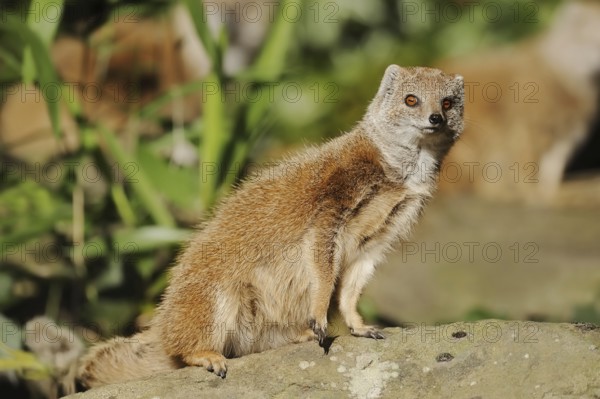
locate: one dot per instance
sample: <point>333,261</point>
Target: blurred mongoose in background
<point>530,106</point>
<point>262,272</point>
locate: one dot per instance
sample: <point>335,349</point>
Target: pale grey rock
<point>493,359</point>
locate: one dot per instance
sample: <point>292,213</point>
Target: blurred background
<point>123,122</point>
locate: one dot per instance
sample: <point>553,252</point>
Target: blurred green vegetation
<point>96,252</point>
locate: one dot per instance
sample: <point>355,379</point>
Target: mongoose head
<point>417,106</point>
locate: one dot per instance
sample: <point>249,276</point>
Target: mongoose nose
<point>436,119</point>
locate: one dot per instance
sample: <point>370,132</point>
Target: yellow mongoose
<point>262,272</point>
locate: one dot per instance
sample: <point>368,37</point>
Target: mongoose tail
<point>122,359</point>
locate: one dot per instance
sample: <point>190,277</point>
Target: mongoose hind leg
<point>211,360</point>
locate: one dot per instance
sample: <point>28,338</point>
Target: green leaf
<point>215,138</point>
<point>148,238</point>
<point>271,61</point>
<point>140,183</point>
<point>146,266</point>
<point>28,71</point>
<point>14,359</point>
<point>112,276</point>
<point>122,204</point>
<point>196,10</point>
<point>179,185</point>
<point>23,362</point>
<point>26,211</point>
<point>158,286</point>
<point>111,316</point>
<point>11,333</point>
<point>50,86</point>
<point>6,296</point>
<point>11,67</point>
<point>44,17</point>
<point>153,107</point>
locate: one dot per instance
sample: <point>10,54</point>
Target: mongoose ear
<point>459,83</point>
<point>390,79</point>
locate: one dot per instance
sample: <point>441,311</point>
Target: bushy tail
<point>122,359</point>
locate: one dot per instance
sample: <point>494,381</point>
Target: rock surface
<point>486,359</point>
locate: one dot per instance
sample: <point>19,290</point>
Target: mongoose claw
<point>213,362</point>
<point>220,371</point>
<point>367,332</point>
<point>319,330</point>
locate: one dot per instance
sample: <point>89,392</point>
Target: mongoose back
<point>262,272</point>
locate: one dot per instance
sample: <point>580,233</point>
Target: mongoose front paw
<point>306,336</point>
<point>212,361</point>
<point>368,332</point>
<point>221,370</point>
<point>320,330</point>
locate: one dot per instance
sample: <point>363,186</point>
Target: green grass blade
<point>148,238</point>
<point>199,17</point>
<point>271,61</point>
<point>12,65</point>
<point>122,205</point>
<point>215,138</point>
<point>43,18</point>
<point>24,362</point>
<point>153,107</point>
<point>50,86</point>
<point>142,186</point>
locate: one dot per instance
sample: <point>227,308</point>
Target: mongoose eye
<point>447,104</point>
<point>411,100</point>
